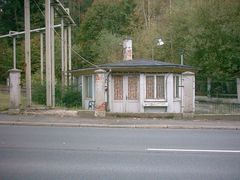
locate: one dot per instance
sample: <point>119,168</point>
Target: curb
<point>146,126</point>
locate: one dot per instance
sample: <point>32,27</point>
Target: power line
<point>58,35</point>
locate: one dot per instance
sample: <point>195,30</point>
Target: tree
<point>101,17</point>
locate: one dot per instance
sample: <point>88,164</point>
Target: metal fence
<point>219,89</point>
<point>217,108</point>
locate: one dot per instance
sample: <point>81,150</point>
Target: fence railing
<point>221,89</point>
<point>204,105</point>
<point>5,89</point>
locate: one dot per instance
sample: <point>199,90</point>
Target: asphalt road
<point>99,153</point>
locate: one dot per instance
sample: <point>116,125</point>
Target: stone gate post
<point>100,106</point>
<point>15,91</point>
<point>188,93</point>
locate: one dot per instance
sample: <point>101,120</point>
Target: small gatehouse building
<point>137,86</point>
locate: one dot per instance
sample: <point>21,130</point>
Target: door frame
<point>124,103</point>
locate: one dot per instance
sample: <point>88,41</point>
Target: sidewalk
<point>63,118</point>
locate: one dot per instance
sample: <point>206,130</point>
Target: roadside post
<point>100,109</point>
<point>15,91</point>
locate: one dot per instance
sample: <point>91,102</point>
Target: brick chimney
<point>127,49</point>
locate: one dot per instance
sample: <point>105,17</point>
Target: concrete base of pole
<point>15,91</point>
<point>13,111</point>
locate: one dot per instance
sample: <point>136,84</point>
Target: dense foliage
<point>70,97</point>
<point>207,31</point>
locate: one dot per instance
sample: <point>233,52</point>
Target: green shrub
<point>72,98</point>
<point>39,93</point>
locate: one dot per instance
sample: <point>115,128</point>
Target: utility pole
<point>69,55</point>
<point>27,52</point>
<point>65,56</point>
<point>41,56</point>
<point>48,52</point>
<point>62,55</point>
<point>14,52</point>
<point>52,57</point>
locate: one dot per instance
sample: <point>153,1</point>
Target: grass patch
<point>4,101</point>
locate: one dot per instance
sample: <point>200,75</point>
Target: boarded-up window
<point>155,88</point>
<point>133,87</point>
<point>160,87</point>
<point>118,87</point>
<point>150,87</point>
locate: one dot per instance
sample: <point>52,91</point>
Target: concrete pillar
<point>169,93</point>
<point>65,56</point>
<point>48,52</point>
<point>62,55</point>
<point>15,91</point>
<point>52,56</point>
<point>238,89</point>
<point>27,52</point>
<point>100,106</point>
<point>188,92</point>
<point>41,56</point>
<point>69,55</point>
<point>141,92</point>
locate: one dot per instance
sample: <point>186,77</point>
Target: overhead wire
<point>58,35</point>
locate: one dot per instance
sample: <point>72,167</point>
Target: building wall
<point>169,104</point>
